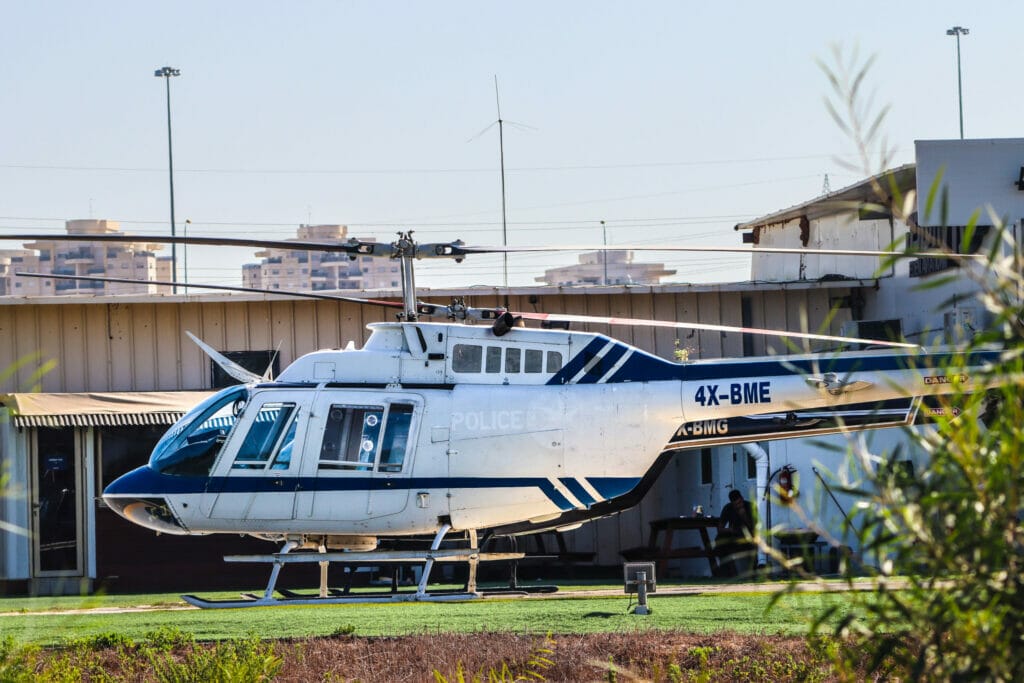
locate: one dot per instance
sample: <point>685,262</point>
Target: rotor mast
<point>404,249</point>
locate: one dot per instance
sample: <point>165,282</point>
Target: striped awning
<point>113,409</point>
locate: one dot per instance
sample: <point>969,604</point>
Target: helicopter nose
<point>135,497</point>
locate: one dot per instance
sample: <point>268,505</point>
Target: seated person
<point>735,524</point>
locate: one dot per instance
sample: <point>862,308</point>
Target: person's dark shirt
<point>734,520</point>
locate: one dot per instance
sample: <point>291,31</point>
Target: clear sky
<point>671,121</point>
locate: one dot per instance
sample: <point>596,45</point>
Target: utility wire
<point>383,171</point>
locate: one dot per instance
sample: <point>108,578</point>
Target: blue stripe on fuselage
<point>576,489</point>
<point>604,364</point>
<point>577,362</point>
<point>644,367</point>
<point>144,481</point>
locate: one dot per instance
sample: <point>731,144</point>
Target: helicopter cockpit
<point>191,446</point>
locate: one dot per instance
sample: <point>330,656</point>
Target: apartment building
<point>299,270</point>
<point>135,260</point>
<point>608,268</point>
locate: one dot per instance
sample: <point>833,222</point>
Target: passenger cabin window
<point>534,360</point>
<point>351,436</point>
<point>396,438</point>
<point>267,437</point>
<point>471,358</point>
<point>512,360</point>
<point>554,361</point>
<point>493,359</point>
<point>352,439</point>
<point>467,358</point>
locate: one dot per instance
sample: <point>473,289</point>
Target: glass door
<point>57,503</point>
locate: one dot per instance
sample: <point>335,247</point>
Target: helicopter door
<point>260,475</point>
<point>363,444</point>
<point>389,495</point>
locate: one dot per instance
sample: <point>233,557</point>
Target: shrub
<point>238,661</point>
<point>954,531</point>
<point>17,662</point>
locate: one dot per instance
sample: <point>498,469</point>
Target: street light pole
<point>166,73</point>
<point>184,249</point>
<point>959,31</point>
<point>604,254</point>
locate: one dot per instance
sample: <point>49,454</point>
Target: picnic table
<point>661,542</point>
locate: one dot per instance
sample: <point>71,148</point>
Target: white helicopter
<point>462,429</point>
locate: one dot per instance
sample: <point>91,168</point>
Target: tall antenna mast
<point>501,151</point>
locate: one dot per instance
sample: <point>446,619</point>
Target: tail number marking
<point>737,393</point>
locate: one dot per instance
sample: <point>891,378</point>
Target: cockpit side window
<point>264,439</point>
<point>283,459</point>
<point>351,437</point>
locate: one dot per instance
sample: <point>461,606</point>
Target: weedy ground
<point>488,656</point>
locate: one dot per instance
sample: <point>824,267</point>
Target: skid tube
<point>326,596</point>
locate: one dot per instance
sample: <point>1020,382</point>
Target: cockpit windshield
<point>191,446</point>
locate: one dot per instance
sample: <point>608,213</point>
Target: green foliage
<point>344,630</point>
<point>167,638</point>
<point>703,656</point>
<point>17,662</point>
<point>102,641</point>
<point>540,660</point>
<point>236,661</point>
<point>954,531</point>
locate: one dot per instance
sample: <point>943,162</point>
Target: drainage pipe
<point>764,507</point>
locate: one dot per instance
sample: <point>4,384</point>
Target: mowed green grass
<point>701,613</point>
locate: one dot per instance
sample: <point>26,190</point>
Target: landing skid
<point>327,596</point>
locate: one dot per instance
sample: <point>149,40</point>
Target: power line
<point>398,171</point>
<point>482,226</point>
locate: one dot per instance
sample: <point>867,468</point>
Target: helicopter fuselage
<point>431,424</point>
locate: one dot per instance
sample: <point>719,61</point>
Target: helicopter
<point>445,429</point>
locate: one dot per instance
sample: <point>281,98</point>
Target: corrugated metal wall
<point>110,346</point>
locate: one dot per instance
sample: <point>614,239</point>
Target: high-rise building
<point>134,260</point>
<point>298,270</point>
<point>614,267</point>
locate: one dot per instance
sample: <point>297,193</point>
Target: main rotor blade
<point>354,247</point>
<point>456,250</point>
<point>226,288</point>
<point>637,322</point>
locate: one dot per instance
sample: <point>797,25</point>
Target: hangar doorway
<point>57,502</point>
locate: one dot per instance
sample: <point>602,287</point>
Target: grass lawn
<point>701,613</point>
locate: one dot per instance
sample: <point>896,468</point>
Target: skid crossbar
<point>429,557</point>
